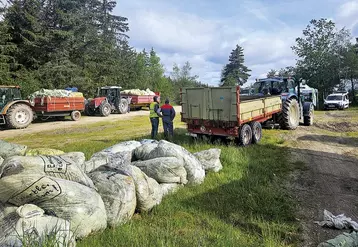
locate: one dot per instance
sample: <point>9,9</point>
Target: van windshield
<point>335,97</point>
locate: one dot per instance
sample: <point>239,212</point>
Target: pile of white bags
<point>41,186</point>
<point>138,92</point>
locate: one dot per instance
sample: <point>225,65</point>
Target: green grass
<point>245,204</point>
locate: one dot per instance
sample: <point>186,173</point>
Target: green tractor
<point>15,112</point>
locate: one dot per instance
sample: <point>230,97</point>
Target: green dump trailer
<point>223,112</point>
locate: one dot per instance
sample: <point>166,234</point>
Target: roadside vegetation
<point>245,204</point>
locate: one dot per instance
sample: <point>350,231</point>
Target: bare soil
<point>41,126</point>
<point>328,178</point>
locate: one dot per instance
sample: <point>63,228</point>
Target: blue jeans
<point>168,129</point>
<point>155,126</point>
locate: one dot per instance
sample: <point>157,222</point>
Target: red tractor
<point>108,100</point>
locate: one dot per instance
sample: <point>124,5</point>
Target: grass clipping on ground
<point>244,204</point>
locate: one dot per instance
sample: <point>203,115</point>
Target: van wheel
<point>256,132</point>
<point>245,137</point>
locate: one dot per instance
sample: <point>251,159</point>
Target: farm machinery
<point>108,100</point>
<point>15,112</point>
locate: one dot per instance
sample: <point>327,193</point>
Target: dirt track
<point>52,125</point>
<point>329,178</point>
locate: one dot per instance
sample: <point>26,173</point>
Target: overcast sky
<point>204,32</point>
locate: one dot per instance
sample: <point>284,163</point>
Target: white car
<point>336,101</point>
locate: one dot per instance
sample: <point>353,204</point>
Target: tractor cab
<point>112,93</point>
<point>274,86</point>
<point>9,94</point>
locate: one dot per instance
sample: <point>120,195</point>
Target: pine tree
<point>235,72</point>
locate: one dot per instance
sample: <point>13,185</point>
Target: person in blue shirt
<point>167,113</point>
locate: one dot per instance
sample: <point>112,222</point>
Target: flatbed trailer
<point>223,112</point>
<point>59,107</point>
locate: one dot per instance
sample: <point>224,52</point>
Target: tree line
<point>54,44</point>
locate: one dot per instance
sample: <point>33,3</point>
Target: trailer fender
<point>307,106</point>
<point>7,107</point>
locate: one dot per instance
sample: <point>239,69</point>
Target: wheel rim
<point>257,132</point>
<point>246,137</point>
<point>22,117</point>
<point>106,110</point>
<point>76,115</point>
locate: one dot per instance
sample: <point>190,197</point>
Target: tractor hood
<point>96,101</point>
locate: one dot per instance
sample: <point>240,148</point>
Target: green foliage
<point>320,52</point>
<point>60,43</point>
<point>235,72</point>
<point>182,77</point>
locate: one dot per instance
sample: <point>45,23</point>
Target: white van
<point>336,101</point>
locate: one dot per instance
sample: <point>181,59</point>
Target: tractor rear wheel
<point>105,109</point>
<point>75,115</point>
<point>123,106</point>
<point>19,116</point>
<point>290,115</point>
<point>256,132</point>
<point>245,137</point>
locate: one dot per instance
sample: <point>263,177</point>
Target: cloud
<point>204,33</point>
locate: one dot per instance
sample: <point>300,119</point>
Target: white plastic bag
<point>107,158</point>
<point>31,226</point>
<point>123,146</point>
<point>118,194</point>
<point>79,204</point>
<point>143,152</point>
<point>164,169</point>
<point>193,167</point>
<point>55,166</point>
<point>10,149</point>
<point>148,191</point>
<point>210,159</point>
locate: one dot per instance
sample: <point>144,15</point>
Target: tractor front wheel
<point>290,115</point>
<point>123,106</point>
<point>105,109</point>
<point>308,120</point>
<point>19,116</point>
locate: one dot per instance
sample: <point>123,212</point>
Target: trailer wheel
<point>290,115</point>
<point>105,109</point>
<point>19,116</point>
<point>123,106</point>
<point>256,132</point>
<point>75,115</point>
<point>245,136</point>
